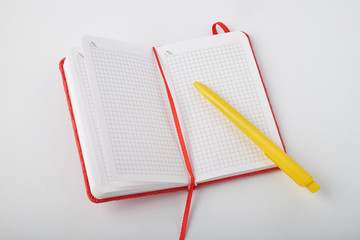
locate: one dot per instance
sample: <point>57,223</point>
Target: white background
<point>309,54</point>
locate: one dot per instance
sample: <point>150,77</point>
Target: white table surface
<point>309,55</point>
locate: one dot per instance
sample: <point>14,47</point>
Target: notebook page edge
<point>100,187</point>
<point>115,45</point>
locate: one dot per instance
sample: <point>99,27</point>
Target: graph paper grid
<point>90,101</point>
<point>215,142</point>
<point>136,115</point>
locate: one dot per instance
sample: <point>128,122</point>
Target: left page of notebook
<point>134,117</point>
<point>101,182</point>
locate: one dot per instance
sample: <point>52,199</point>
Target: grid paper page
<point>215,143</point>
<point>102,183</point>
<point>90,101</point>
<point>138,118</point>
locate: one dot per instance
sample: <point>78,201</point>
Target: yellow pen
<point>271,150</point>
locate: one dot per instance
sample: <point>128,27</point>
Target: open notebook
<point>124,123</point>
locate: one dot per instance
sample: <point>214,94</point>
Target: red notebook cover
<point>87,186</point>
<point>191,186</point>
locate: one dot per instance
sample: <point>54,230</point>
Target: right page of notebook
<point>226,64</point>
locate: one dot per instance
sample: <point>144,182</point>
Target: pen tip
<point>196,84</point>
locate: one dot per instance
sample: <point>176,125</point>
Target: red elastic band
<point>220,24</point>
<point>183,148</point>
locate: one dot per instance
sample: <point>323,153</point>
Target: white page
<point>102,184</point>
<point>135,120</point>
<point>224,63</point>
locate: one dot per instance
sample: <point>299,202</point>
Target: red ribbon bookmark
<point>181,138</point>
<point>183,148</point>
